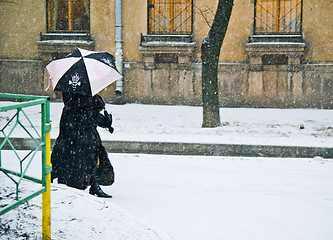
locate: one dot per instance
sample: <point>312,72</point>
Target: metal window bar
<point>277,16</point>
<point>170,16</point>
<point>43,144</point>
<point>67,10</point>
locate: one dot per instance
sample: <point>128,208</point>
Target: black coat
<point>78,147</point>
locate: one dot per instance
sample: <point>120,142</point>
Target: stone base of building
<point>21,76</point>
<point>240,85</point>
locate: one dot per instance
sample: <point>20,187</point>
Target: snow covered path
<point>194,197</point>
<point>158,197</point>
<point>159,123</point>
<point>213,198</point>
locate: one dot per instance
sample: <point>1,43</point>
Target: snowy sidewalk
<point>195,197</point>
<point>179,127</point>
<point>160,197</point>
<point>75,214</point>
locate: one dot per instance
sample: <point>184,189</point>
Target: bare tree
<point>206,13</point>
<point>210,52</point>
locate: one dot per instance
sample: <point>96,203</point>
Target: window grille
<point>170,16</point>
<point>278,16</point>
<point>68,16</point>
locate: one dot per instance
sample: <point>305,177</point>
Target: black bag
<point>106,169</point>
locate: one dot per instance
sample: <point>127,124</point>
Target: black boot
<point>95,189</point>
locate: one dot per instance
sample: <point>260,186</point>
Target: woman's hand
<point>108,121</point>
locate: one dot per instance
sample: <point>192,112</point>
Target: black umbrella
<point>83,72</point>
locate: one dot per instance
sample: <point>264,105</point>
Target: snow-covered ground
<point>191,197</point>
<point>138,122</point>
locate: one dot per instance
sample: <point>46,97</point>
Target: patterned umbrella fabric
<point>83,72</point>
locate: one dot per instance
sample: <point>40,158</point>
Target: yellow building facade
<point>275,54</point>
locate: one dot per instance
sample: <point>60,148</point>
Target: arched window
<point>68,16</point>
<point>277,16</point>
<point>169,16</point>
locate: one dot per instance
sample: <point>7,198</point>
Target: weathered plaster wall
<point>20,25</point>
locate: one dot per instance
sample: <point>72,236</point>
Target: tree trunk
<point>210,52</point>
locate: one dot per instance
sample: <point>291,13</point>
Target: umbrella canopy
<point>83,72</point>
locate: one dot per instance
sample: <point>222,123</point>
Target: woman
<point>78,158</point>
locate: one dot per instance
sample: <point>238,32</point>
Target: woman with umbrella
<point>78,158</point>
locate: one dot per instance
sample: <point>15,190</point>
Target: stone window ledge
<point>57,45</point>
<point>260,47</point>
<point>167,49</point>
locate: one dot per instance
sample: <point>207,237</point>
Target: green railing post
<point>46,225</point>
<point>44,144</point>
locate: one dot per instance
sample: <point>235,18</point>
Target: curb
<point>239,150</point>
<point>175,148</point>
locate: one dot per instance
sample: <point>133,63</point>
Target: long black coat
<point>78,147</point>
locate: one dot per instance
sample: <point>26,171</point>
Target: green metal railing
<point>42,142</point>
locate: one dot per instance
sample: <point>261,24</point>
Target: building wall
<point>308,84</point>
<point>318,30</point>
<point>23,20</point>
<point>20,25</point>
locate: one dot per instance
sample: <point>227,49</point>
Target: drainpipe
<point>119,44</point>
